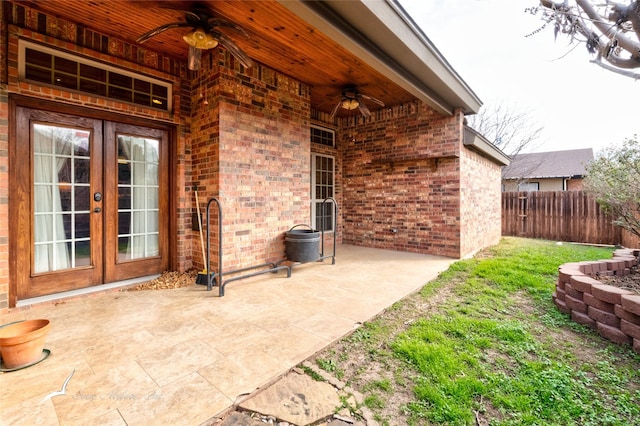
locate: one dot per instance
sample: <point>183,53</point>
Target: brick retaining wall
<point>613,312</point>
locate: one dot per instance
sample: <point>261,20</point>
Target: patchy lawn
<point>484,344</point>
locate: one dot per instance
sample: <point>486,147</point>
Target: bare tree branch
<point>611,68</point>
<point>508,128</point>
<point>610,30</point>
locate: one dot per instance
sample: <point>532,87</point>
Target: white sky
<point>579,104</point>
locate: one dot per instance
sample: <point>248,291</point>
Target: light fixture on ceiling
<point>195,58</point>
<point>352,99</point>
<point>204,35</point>
<point>350,103</point>
<point>200,39</point>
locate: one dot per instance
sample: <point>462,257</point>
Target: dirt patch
<point>372,368</point>
<point>628,282</point>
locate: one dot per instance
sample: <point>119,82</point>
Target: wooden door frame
<point>69,279</point>
<point>18,191</point>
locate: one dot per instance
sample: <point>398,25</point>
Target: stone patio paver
<point>185,356</point>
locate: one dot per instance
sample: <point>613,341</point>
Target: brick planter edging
<point>613,312</point>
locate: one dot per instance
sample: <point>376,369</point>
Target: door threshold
<point>83,291</point>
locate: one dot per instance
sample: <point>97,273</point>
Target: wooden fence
<point>560,216</point>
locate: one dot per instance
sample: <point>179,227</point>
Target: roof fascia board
<point>419,46</point>
<point>479,143</point>
<point>375,33</point>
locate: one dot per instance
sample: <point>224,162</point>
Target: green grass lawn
<point>484,344</point>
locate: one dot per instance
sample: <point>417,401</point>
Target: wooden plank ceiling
<point>276,38</point>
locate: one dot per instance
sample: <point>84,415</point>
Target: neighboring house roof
<point>554,164</point>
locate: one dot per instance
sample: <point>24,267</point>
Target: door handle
<point>97,210</point>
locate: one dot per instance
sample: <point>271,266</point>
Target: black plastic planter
<point>302,245</point>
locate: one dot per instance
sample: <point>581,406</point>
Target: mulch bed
<point>168,280</point>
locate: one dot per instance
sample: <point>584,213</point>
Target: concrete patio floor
<point>185,355</point>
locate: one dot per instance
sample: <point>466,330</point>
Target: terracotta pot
<point>22,343</point>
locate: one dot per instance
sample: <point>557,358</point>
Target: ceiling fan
<point>204,35</point>
<point>351,99</point>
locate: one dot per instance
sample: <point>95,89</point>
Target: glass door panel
<point>61,191</point>
<point>138,191</point>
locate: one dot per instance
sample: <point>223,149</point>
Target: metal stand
<point>335,231</point>
<point>274,268</point>
<point>212,280</point>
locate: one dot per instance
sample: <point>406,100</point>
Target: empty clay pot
<point>22,343</point>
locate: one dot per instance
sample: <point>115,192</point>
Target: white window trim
<point>314,200</point>
<point>326,129</point>
<point>529,187</point>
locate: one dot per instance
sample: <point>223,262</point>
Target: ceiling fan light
<point>200,39</point>
<point>195,58</point>
<point>350,103</point>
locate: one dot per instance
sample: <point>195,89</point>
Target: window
<point>529,186</point>
<point>323,136</point>
<point>49,66</point>
<point>322,187</point>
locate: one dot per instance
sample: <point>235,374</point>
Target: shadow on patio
<point>182,356</point>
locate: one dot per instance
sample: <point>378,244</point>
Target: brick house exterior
<point>405,178</point>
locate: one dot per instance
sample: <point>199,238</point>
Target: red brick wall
<point>575,184</point>
<point>251,150</point>
<point>243,136</point>
<point>401,184</point>
<point>481,206</point>
<point>249,146</point>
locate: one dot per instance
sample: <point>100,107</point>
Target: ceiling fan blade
<point>372,99</point>
<point>233,48</point>
<point>335,109</point>
<point>363,109</point>
<point>192,17</point>
<point>162,28</point>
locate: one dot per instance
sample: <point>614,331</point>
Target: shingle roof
<point>554,164</point>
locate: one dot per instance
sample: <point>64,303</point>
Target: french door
<point>91,200</point>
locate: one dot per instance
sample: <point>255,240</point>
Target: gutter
<point>545,177</point>
<point>384,36</point>
<point>475,141</point>
<point>455,80</point>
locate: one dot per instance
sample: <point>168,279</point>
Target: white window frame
<point>326,129</point>
<point>315,201</point>
<point>529,187</point>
